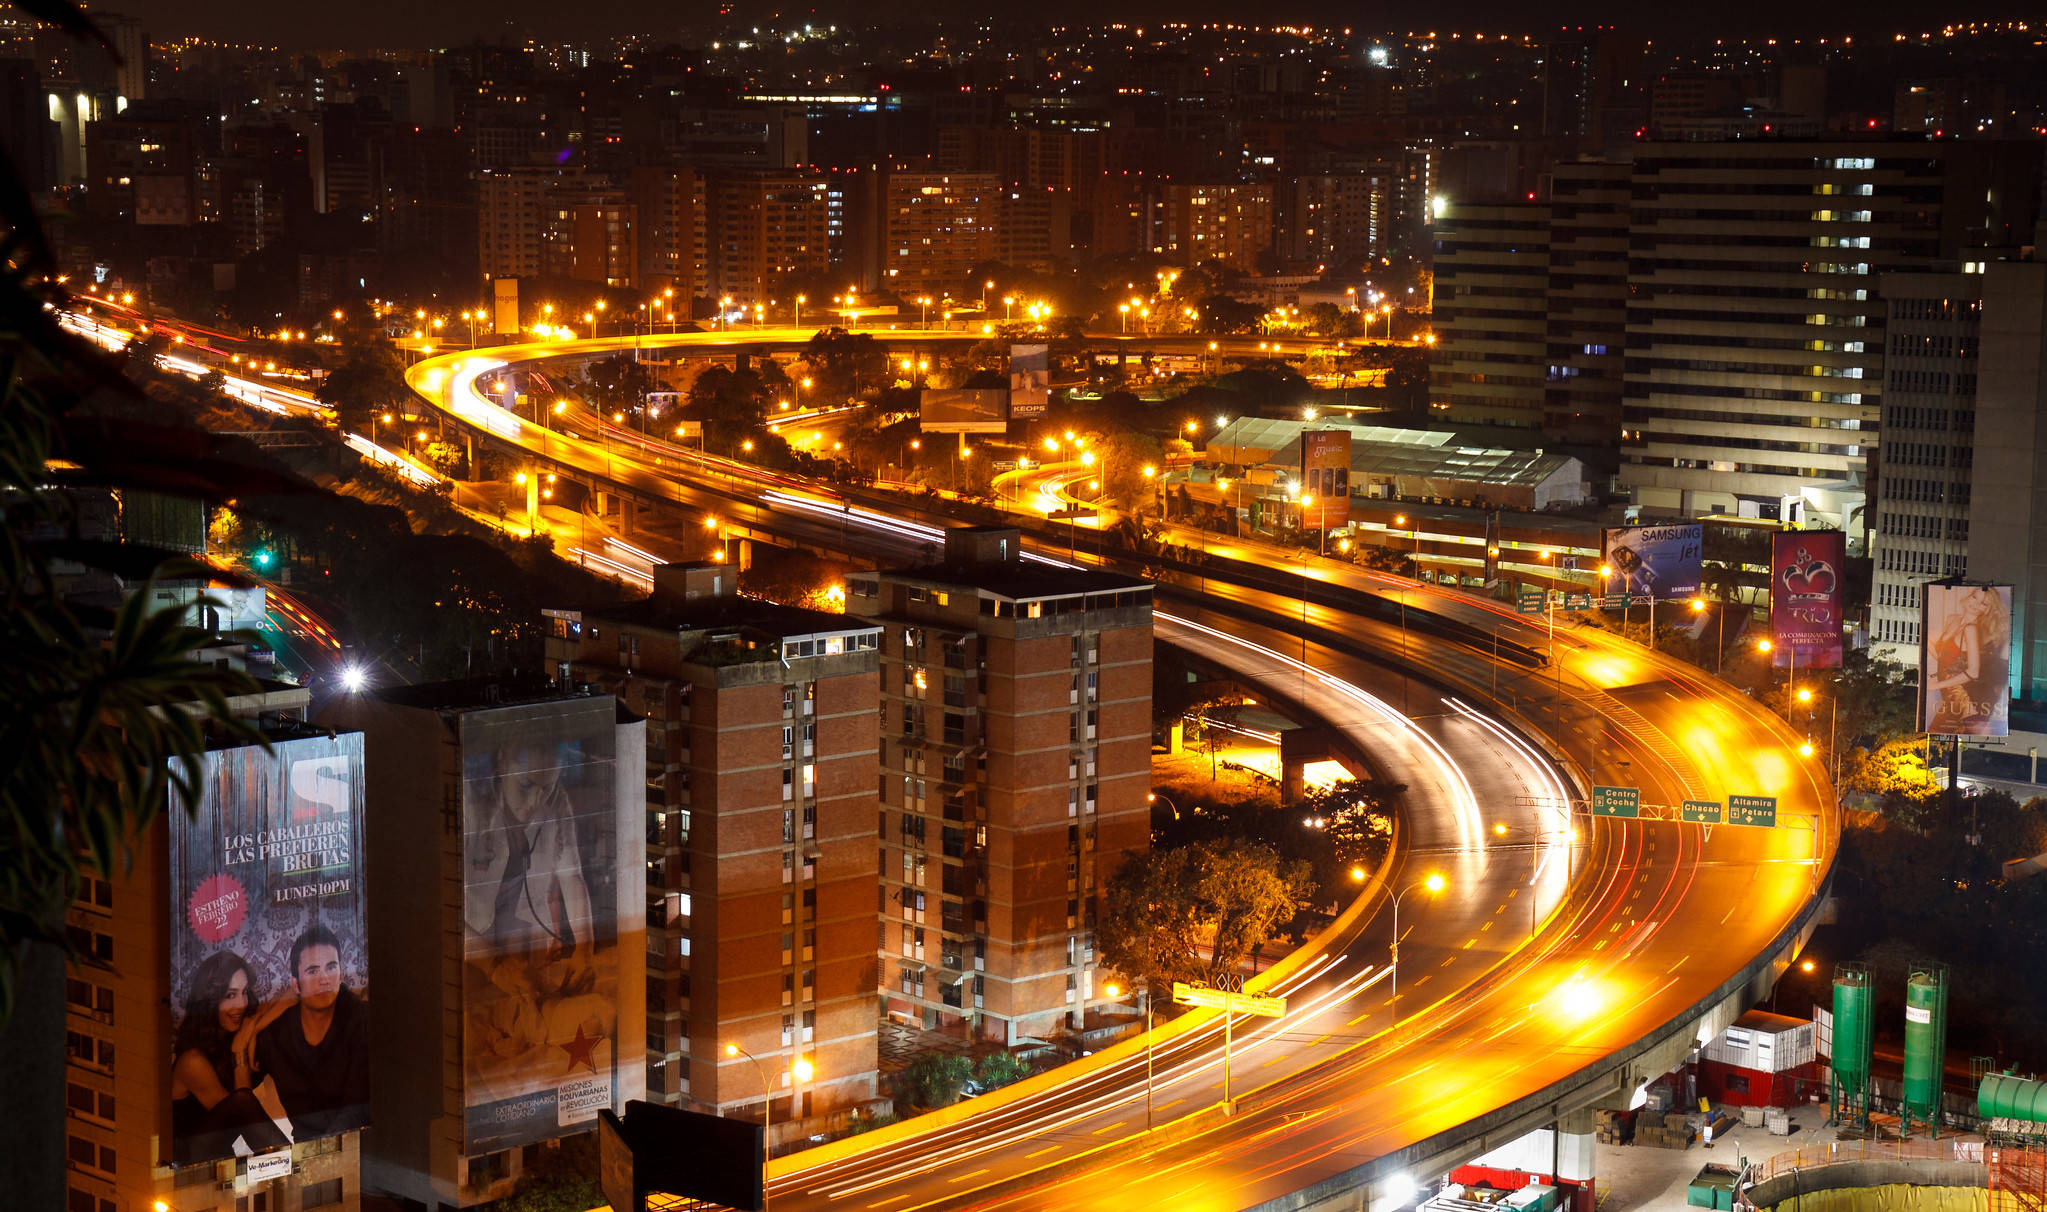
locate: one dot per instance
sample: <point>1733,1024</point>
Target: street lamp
<point>1720,649</point>
<point>1434,882</point>
<point>801,1070</point>
<point>1125,309</point>
<point>1113,991</point>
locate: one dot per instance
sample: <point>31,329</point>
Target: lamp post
<point>801,1070</point>
<point>1113,991</point>
<point>1765,647</point>
<point>1434,883</point>
<point>799,311</point>
<point>1720,649</point>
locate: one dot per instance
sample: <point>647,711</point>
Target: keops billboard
<point>1654,561</point>
<point>269,977</point>
<point>540,912</point>
<point>1030,380</point>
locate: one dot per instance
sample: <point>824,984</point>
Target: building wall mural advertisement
<point>540,911</point>
<point>1325,476</point>
<point>1030,380</point>
<point>963,410</point>
<point>1805,597</point>
<point>1654,561</point>
<point>1965,660</point>
<point>269,975</point>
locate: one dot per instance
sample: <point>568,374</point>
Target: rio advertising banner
<point>1965,660</point>
<point>1805,598</point>
<point>540,910</point>
<point>1647,562</point>
<point>269,975</point>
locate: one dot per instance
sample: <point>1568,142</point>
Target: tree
<point>619,383</point>
<point>1164,905</point>
<point>1000,1069</point>
<point>1354,829</point>
<point>936,1079</point>
<point>1222,315</point>
<point>368,383</point>
<point>845,365</point>
<point>101,732</point>
<point>562,1179</point>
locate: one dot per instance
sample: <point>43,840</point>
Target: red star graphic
<point>582,1050</point>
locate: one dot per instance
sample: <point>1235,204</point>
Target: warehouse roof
<point>1379,450</point>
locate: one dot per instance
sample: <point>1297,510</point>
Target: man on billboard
<point>1968,660</point>
<point>315,1054</point>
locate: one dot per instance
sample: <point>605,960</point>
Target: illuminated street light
<point>353,678</point>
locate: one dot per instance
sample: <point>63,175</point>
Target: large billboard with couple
<point>269,972</point>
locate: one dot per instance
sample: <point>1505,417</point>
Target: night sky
<point>362,24</point>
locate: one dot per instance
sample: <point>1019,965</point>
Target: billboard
<point>540,921</point>
<point>269,972</point>
<point>504,311</point>
<point>1965,660</point>
<point>1805,597</point>
<point>1654,561</point>
<point>1030,380</point>
<point>963,410</point>
<point>1325,476</point>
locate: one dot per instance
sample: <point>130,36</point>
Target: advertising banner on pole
<point>504,311</point>
<point>269,966</point>
<point>1965,660</point>
<point>1030,381</point>
<point>1325,476</point>
<point>1654,561</point>
<point>540,910</point>
<point>1805,598</point>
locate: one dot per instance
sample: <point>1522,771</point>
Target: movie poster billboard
<point>1965,660</point>
<point>1805,598</point>
<point>1647,562</point>
<point>963,410</point>
<point>1325,476</point>
<point>269,982</point>
<point>1030,381</point>
<point>540,921</point>
<point>504,311</point>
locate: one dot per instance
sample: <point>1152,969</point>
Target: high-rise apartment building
<point>2008,501</point>
<point>1015,772</point>
<point>1491,313</point>
<point>1920,531</point>
<point>1748,361</point>
<point>1755,322</point>
<point>936,227</point>
<point>769,225</point>
<point>1230,223</point>
<point>761,775</point>
<point>203,932</point>
<point>506,835</point>
<point>673,208</point>
<point>547,221</point>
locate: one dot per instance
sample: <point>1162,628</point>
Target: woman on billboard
<point>212,1102</point>
<point>1970,656</point>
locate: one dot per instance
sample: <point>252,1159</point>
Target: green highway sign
<point>1757,810</point>
<point>1530,602</point>
<point>1575,599</point>
<point>1617,801</point>
<point>1614,601</point>
<point>1701,812</point>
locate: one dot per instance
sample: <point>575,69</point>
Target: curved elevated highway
<point>1551,974</point>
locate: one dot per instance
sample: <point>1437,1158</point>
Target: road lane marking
<point>1483,929</point>
<point>969,1174</point>
<point>1111,1128</point>
<point>1040,1153</point>
<point>1162,1106</point>
<point>1679,964</point>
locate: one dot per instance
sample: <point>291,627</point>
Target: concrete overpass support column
<point>628,516</point>
<point>1561,1154</point>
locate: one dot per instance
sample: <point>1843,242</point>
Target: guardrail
<point>1834,1153</point>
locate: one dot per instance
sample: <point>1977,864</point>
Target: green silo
<point>1853,1025</point>
<point>1925,1044</point>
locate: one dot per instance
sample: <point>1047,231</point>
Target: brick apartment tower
<point>1015,771</point>
<point>761,749</point>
